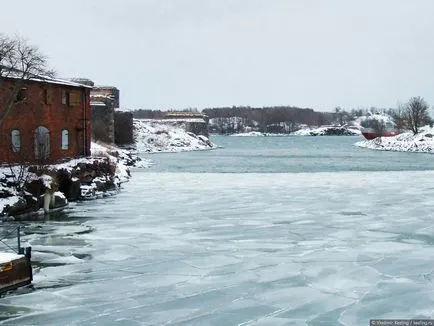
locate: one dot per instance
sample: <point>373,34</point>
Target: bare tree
<point>379,128</point>
<point>19,61</point>
<point>399,117</point>
<point>339,115</point>
<point>416,114</point>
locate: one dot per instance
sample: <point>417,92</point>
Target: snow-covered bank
<point>321,131</point>
<point>156,136</point>
<point>327,131</point>
<point>422,142</point>
<point>22,187</point>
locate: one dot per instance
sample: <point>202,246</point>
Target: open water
<point>265,231</point>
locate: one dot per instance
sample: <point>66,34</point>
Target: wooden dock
<point>15,268</point>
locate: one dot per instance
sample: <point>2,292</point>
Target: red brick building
<point>49,122</point>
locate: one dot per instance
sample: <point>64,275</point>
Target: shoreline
<point>422,142</point>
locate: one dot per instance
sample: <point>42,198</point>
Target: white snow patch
<point>46,180</point>
<point>423,142</point>
<point>154,136</point>
<point>60,194</point>
<point>321,131</point>
<point>6,257</point>
<point>8,201</point>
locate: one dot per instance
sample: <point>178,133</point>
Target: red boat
<point>370,133</point>
<point>378,125</point>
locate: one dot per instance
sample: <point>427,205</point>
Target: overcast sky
<point>206,53</point>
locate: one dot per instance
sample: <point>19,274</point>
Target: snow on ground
<point>248,134</point>
<point>327,130</point>
<point>422,142</point>
<point>154,136</point>
<point>6,257</point>
<point>121,157</point>
<point>257,133</point>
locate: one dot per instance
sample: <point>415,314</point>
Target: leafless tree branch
<point>19,61</point>
<point>416,114</point>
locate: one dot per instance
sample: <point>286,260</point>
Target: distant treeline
<point>265,115</point>
<point>272,115</point>
<point>148,114</point>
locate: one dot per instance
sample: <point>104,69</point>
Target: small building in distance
<point>103,102</point>
<point>49,122</point>
<point>106,92</point>
<point>109,124</point>
<point>194,122</point>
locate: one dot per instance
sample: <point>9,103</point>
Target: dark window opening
<point>21,95</point>
<point>65,97</point>
<point>16,140</point>
<point>48,96</point>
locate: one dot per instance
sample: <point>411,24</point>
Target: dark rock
<point>110,185</point>
<point>100,185</point>
<point>5,193</point>
<point>20,207</point>
<point>33,169</point>
<point>74,191</point>
<point>35,187</point>
<point>32,203</point>
<point>86,179</point>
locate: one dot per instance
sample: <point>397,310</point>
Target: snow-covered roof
<point>15,74</point>
<point>49,80</point>
<point>104,86</point>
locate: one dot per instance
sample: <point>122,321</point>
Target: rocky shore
<point>34,190</point>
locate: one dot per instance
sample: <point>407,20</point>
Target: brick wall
<point>43,107</point>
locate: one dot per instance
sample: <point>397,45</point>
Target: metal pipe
<point>19,239</point>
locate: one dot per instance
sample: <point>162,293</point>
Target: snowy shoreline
<point>422,142</point>
<point>167,136</point>
<point>320,131</point>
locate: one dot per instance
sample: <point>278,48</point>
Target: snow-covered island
<point>422,142</point>
<point>308,131</point>
<point>258,133</point>
<point>157,136</point>
<point>328,131</point>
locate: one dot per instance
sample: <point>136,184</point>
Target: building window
<point>74,98</point>
<point>65,97</point>
<point>48,96</point>
<point>42,143</point>
<point>65,139</point>
<point>21,95</point>
<point>16,140</point>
